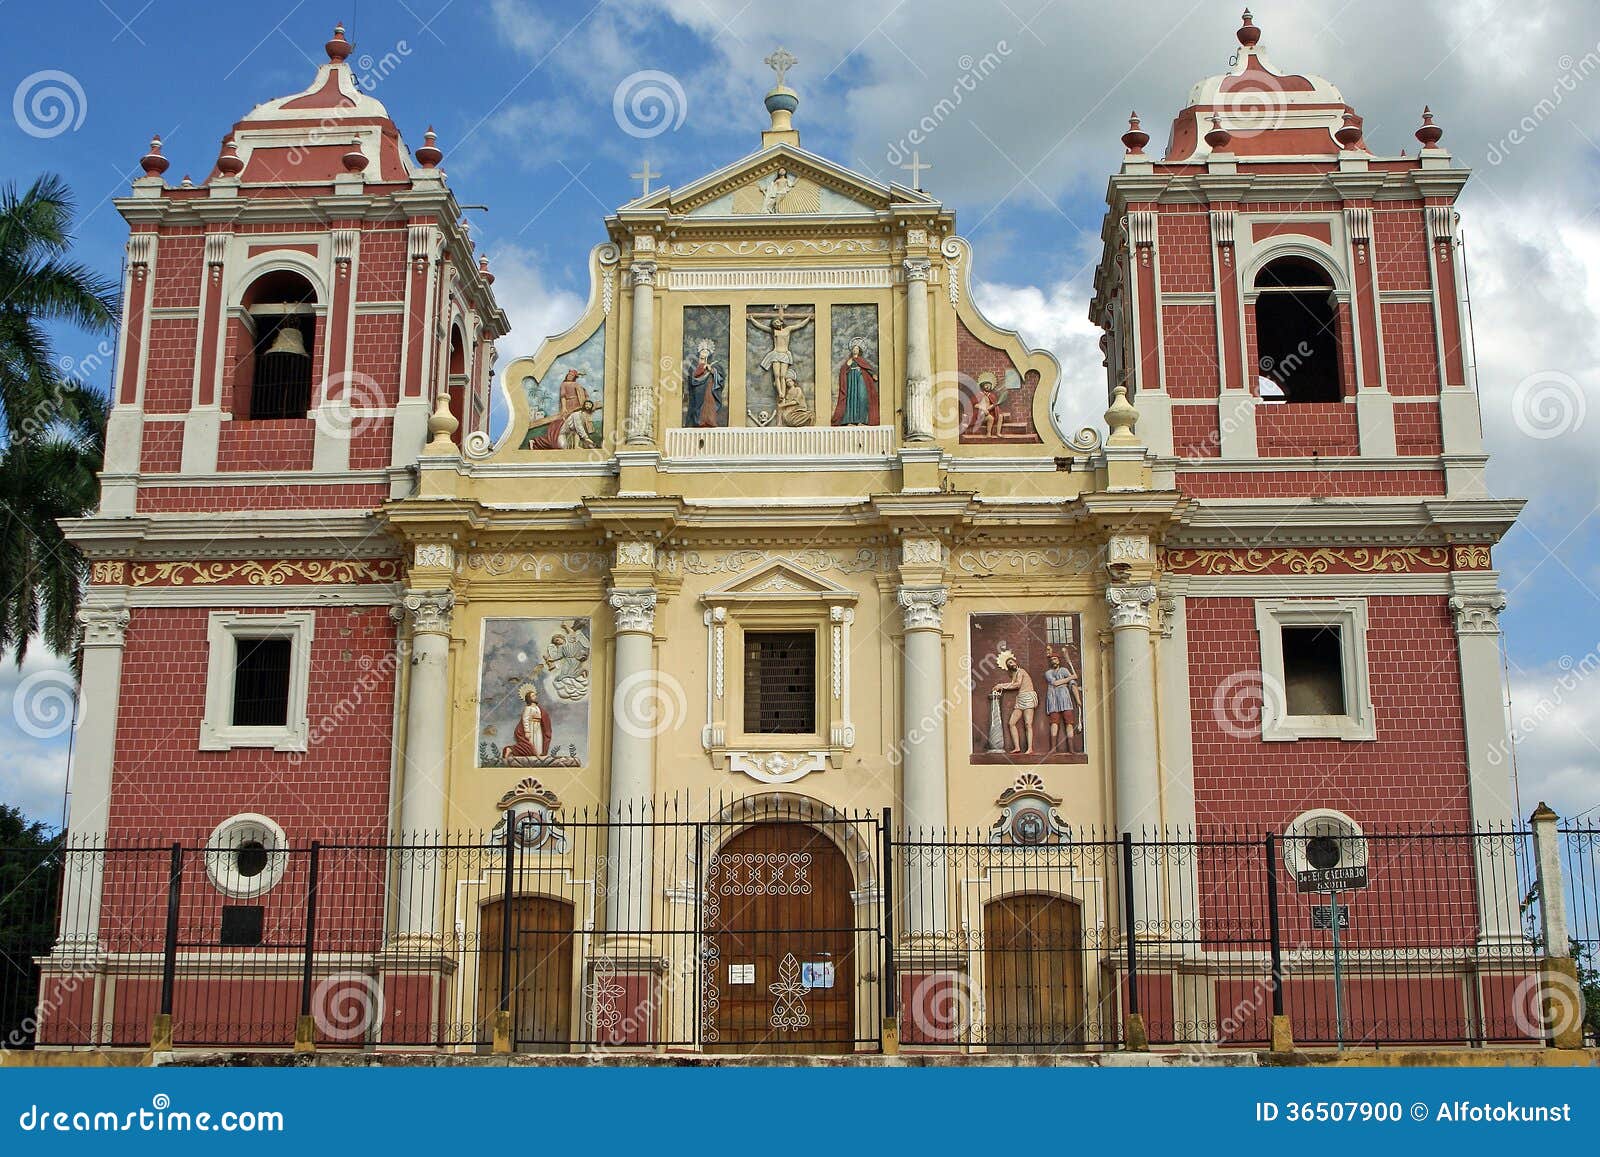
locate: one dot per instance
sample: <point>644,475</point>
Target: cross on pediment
<point>644,176</point>
<point>781,62</point>
<point>915,167</point>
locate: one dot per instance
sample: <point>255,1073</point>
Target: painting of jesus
<point>1027,689</point>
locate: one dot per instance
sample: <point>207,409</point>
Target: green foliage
<point>30,887</point>
<point>53,427</point>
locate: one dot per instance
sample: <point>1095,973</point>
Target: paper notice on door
<point>816,974</point>
<point>741,974</point>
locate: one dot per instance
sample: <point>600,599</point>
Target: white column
<point>422,798</point>
<point>641,420</point>
<point>919,359</point>
<point>1138,779</point>
<point>924,790</point>
<point>1477,621</point>
<point>635,708</point>
<point>94,748</point>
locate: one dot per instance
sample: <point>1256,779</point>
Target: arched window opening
<point>1297,333</point>
<point>281,312</point>
<point>458,383</point>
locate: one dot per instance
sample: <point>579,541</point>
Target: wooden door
<point>1033,973</point>
<point>779,965</point>
<point>541,972</point>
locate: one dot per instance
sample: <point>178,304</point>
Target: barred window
<point>1313,671</point>
<point>261,682</point>
<point>780,682</point>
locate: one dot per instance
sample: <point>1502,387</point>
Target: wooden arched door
<point>1032,973</point>
<point>541,971</point>
<point>780,951</point>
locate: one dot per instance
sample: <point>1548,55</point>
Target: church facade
<point>782,591</point>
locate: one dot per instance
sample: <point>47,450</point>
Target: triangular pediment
<point>781,181</point>
<point>777,580</point>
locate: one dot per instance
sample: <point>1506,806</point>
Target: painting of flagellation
<point>1027,688</point>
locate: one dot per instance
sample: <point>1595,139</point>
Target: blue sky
<point>524,99</point>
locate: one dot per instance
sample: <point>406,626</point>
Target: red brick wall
<point>162,447</point>
<point>1400,248</point>
<point>1183,240</point>
<point>1417,428</point>
<point>1410,351</point>
<point>1307,428</point>
<point>278,496</point>
<point>1195,431</point>
<point>277,445</point>
<point>1190,338</point>
<point>1413,773</point>
<point>164,787</point>
<point>169,365</point>
<point>1310,483</point>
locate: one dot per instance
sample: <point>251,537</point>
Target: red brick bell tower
<point>1284,300</point>
<point>290,322</point>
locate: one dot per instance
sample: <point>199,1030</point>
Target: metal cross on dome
<point>781,62</point>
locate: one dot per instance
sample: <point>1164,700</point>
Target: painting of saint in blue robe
<point>705,366</point>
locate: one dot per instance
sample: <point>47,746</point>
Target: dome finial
<point>153,163</point>
<point>1121,418</point>
<point>781,101</point>
<point>1249,35</point>
<point>1218,137</point>
<point>1135,138</point>
<point>429,155</point>
<point>229,164</point>
<point>338,48</point>
<point>1348,134</point>
<point>1429,133</point>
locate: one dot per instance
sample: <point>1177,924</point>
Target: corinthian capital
<point>643,272</point>
<point>1130,604</point>
<point>429,611</point>
<point>635,610</point>
<point>917,268</point>
<point>1478,614</point>
<point>923,607</point>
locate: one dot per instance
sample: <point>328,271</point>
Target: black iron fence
<point>751,928</point>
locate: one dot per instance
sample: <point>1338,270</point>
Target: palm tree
<point>53,426</point>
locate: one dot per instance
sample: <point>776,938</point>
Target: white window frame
<point>1323,821</point>
<point>224,630</point>
<point>1349,617</point>
<point>222,849</point>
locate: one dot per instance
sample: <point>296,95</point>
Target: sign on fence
<point>1322,917</point>
<point>1331,879</point>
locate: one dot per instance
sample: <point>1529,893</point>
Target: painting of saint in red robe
<point>531,740</point>
<point>857,404</point>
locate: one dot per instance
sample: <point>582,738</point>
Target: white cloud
<point>35,719</point>
<point>536,309</point>
<point>1556,722</point>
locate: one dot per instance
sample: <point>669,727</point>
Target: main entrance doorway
<point>541,972</point>
<point>1033,973</point>
<point>779,965</point>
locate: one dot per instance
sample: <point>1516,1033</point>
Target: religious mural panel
<point>533,693</point>
<point>780,365</point>
<point>705,365</point>
<point>1027,688</point>
<point>854,330</point>
<point>566,408</point>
